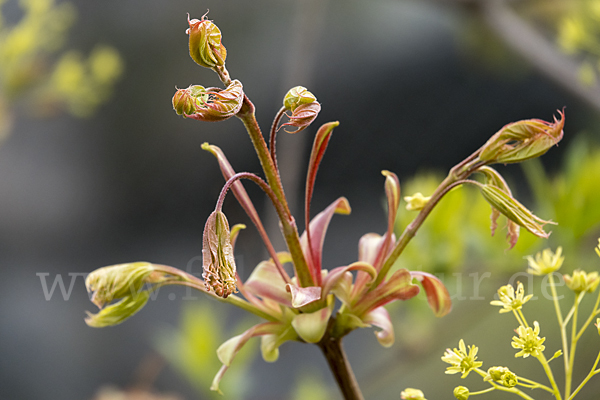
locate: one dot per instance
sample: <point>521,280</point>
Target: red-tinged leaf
<point>302,296</point>
<point>437,294</point>
<point>318,151</point>
<point>380,318</point>
<point>398,287</point>
<point>266,282</point>
<point>371,248</point>
<point>318,229</point>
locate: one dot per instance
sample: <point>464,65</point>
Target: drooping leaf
<point>437,294</point>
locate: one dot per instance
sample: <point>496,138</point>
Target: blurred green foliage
<point>31,73</point>
<point>191,348</point>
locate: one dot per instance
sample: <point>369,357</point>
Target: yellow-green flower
<point>581,281</point>
<point>528,341</point>
<point>416,202</point>
<point>598,325</point>
<point>545,262</point>
<point>412,394</point>
<point>461,393</point>
<point>509,300</point>
<point>460,360</point>
<point>598,248</point>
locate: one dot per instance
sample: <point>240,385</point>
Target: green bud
<point>461,393</point>
<point>522,140</point>
<point>412,394</point>
<point>206,48</point>
<point>217,256</point>
<point>117,281</point>
<point>495,373</point>
<point>124,282</point>
<point>183,102</point>
<point>581,281</point>
<point>297,96</point>
<point>509,379</point>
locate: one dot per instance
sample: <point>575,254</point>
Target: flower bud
<point>214,104</point>
<point>206,48</point>
<point>303,115</point>
<point>297,96</point>
<point>522,140</point>
<point>217,255</point>
<point>461,393</point>
<point>412,394</point>
<point>581,281</point>
<point>495,373</point>
<point>597,324</point>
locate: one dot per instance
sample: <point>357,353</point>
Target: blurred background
<point>96,169</point>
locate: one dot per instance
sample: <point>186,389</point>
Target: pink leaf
<point>302,296</point>
<point>398,287</point>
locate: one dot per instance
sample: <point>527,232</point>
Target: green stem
<point>290,232</point>
<point>548,370</point>
<point>590,318</point>
<point>561,324</point>
<point>574,340</point>
<point>593,372</point>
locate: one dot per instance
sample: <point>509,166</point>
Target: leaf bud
<point>461,393</point>
<point>297,96</point>
<point>215,104</point>
<point>117,281</point>
<point>124,282</point>
<point>522,140</point>
<point>206,48</point>
<point>217,256</point>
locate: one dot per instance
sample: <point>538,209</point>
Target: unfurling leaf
<point>522,140</point>
<point>212,104</point>
<point>297,96</point>
<point>303,116</point>
<point>217,255</point>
